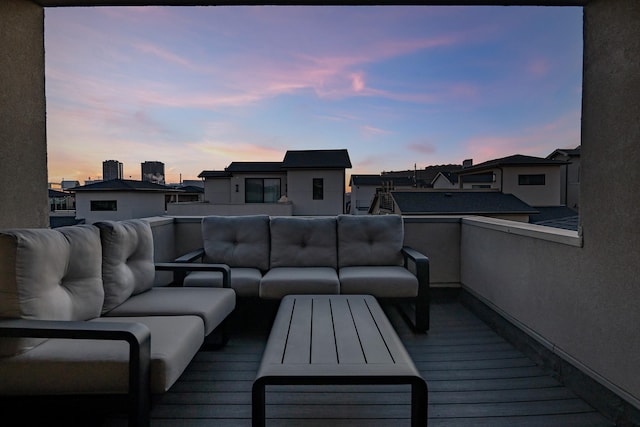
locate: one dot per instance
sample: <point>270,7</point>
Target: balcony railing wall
<point>537,277</point>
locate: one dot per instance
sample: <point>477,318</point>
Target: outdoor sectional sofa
<point>79,315</point>
<point>270,257</point>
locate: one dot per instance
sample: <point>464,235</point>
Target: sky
<point>398,86</point>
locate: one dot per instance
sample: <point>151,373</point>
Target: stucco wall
<point>23,144</point>
<point>300,193</point>
<point>548,194</point>
<point>584,300</point>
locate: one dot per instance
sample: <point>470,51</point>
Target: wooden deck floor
<point>475,378</point>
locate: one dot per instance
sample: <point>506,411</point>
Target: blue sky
<point>200,87</point>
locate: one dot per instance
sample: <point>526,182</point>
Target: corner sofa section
<point>270,257</point>
<point>79,315</point>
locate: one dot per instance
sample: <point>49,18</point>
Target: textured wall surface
<point>23,147</point>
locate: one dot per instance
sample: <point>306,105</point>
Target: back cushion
<point>370,240</point>
<point>238,241</point>
<point>303,242</point>
<point>49,274</point>
<point>127,260</point>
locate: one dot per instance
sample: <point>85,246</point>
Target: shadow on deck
<point>475,378</point>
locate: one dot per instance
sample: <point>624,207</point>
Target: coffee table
<point>335,340</point>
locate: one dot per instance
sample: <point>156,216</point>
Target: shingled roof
<point>459,203</point>
<point>378,180</point>
<point>515,160</point>
<point>316,159</point>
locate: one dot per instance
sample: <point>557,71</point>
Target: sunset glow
<point>200,87</point>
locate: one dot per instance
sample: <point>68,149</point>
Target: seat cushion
<point>303,242</point>
<point>370,240</point>
<point>49,274</point>
<point>127,260</point>
<point>282,281</point>
<point>379,281</point>
<point>238,241</point>
<point>212,305</point>
<point>245,281</point>
<point>65,366</point>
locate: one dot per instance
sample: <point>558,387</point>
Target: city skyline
<point>200,87</point>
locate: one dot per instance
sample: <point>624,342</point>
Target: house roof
<point>515,160</point>
<point>57,193</point>
<point>378,180</point>
<point>214,174</point>
<point>452,177</point>
<point>259,167</point>
<point>459,203</point>
<point>556,216</point>
<point>316,159</point>
<point>125,185</point>
<point>568,152</point>
<point>425,176</point>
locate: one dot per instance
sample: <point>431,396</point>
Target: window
<point>538,179</point>
<point>261,190</point>
<point>318,189</point>
<point>104,205</point>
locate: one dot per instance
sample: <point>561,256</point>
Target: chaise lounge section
<point>80,316</point>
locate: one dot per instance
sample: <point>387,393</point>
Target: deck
<point>475,378</point>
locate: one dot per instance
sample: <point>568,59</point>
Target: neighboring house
<point>445,180</point>
<point>306,182</point>
<point>569,175</point>
<point>534,180</point>
<point>187,194</point>
<point>61,201</point>
<point>423,178</point>
<point>453,203</point>
<point>120,199</point>
<point>365,187</point>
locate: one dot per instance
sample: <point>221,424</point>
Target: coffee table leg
<point>419,403</point>
<point>258,404</point>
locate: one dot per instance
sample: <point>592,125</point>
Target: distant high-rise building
<point>111,169</point>
<point>153,172</point>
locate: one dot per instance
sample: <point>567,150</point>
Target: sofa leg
<point>422,315</point>
<point>216,339</point>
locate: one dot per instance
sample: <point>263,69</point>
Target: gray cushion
<point>245,281</point>
<point>303,242</point>
<point>379,281</point>
<point>212,305</point>
<point>64,366</point>
<point>282,281</point>
<point>238,241</point>
<point>127,260</point>
<point>370,240</point>
<point>49,274</point>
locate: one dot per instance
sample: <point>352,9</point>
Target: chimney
<point>467,163</point>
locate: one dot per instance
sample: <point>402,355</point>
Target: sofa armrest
<point>191,256</point>
<point>421,264</point>
<point>180,270</point>
<point>136,335</point>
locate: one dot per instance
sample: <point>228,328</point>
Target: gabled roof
<point>452,177</point>
<point>125,185</point>
<point>459,203</point>
<point>515,160</point>
<point>567,152</point>
<point>378,180</point>
<point>316,159</point>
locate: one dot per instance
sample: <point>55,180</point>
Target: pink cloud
<point>422,147</point>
